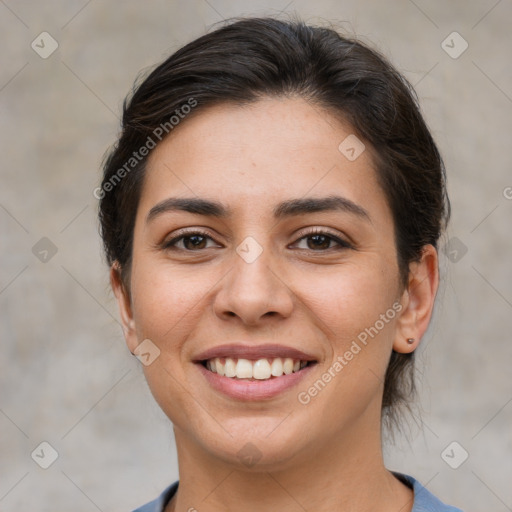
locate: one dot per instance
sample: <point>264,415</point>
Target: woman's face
<point>255,263</point>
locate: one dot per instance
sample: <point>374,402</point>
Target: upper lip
<point>255,352</point>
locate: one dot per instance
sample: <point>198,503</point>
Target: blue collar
<point>424,500</point>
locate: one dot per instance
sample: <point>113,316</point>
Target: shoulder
<point>159,504</point>
<point>424,500</point>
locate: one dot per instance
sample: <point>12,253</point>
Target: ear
<point>125,307</point>
<point>417,301</point>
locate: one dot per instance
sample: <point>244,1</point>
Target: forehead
<point>254,155</point>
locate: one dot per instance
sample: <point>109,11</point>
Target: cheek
<point>167,309</point>
<point>353,308</point>
<point>167,302</point>
<point>351,299</point>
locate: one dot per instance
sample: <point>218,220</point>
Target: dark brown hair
<point>255,57</point>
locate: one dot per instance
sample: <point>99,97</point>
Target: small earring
<point>410,341</point>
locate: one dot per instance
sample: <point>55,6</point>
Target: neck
<point>348,474</point>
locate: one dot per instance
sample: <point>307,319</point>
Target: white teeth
<point>262,369</point>
<point>276,368</point>
<point>229,367</point>
<point>219,366</point>
<point>288,366</point>
<point>244,369</point>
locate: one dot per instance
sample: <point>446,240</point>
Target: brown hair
<point>255,57</point>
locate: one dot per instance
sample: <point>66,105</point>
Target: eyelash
<point>342,244</point>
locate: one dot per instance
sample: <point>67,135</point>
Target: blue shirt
<point>424,500</point>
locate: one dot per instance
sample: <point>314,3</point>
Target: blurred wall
<point>66,377</point>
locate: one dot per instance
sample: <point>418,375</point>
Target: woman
<point>271,214</point>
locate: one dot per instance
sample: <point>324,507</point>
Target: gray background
<point>66,376</point>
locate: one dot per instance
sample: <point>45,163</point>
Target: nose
<point>254,292</point>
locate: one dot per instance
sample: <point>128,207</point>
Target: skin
<point>322,456</point>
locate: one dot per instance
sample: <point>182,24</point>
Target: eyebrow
<point>283,210</point>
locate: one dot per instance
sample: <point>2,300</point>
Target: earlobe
<point>417,301</point>
<point>125,306</point>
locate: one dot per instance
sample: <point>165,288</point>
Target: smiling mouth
<point>260,369</point>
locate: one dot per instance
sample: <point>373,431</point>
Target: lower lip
<point>251,390</point>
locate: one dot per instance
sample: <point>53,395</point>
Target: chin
<point>255,445</point>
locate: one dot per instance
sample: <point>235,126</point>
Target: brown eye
<point>321,241</point>
<point>194,242</point>
<point>191,241</point>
